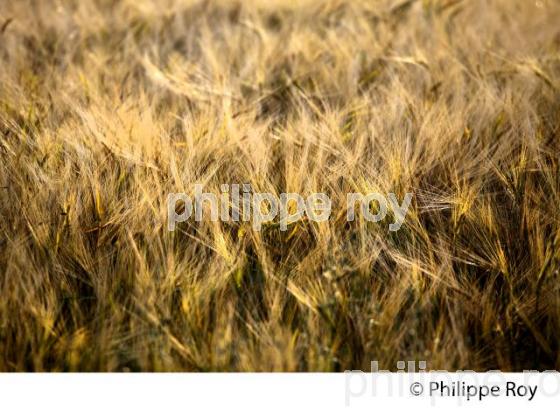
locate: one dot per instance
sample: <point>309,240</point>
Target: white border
<point>247,391</point>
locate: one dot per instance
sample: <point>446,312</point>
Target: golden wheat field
<point>106,107</point>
